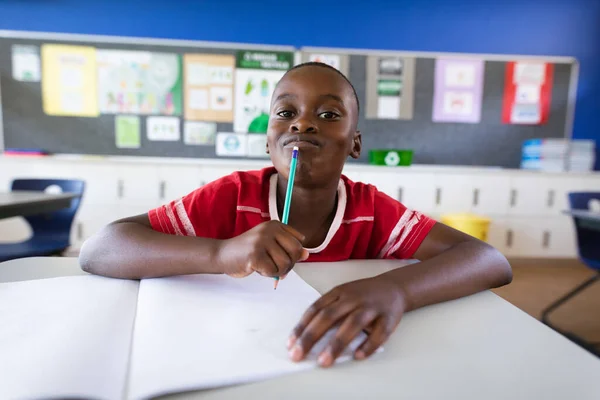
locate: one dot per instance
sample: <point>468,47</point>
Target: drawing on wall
<point>165,129</point>
<point>256,74</point>
<point>458,90</point>
<point>199,133</point>
<point>139,82</point>
<point>527,93</point>
<point>127,132</point>
<point>209,87</point>
<point>231,144</point>
<point>69,80</point>
<point>390,87</point>
<point>26,63</point>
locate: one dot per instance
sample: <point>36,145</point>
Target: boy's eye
<point>285,114</point>
<point>328,115</point>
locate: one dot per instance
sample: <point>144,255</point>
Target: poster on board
<point>458,90</point>
<point>256,75</point>
<point>26,63</point>
<point>127,132</point>
<point>390,87</point>
<point>527,93</point>
<point>139,82</point>
<point>208,86</point>
<point>69,80</point>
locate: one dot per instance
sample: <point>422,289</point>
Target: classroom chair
<point>51,231</point>
<point>588,244</point>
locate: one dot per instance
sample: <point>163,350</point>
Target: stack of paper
<point>558,155</point>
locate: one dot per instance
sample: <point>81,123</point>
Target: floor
<point>537,283</point>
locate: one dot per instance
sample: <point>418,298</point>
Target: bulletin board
<point>489,142</point>
<point>29,122</point>
<point>26,124</point>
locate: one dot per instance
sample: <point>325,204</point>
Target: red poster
<point>527,93</point>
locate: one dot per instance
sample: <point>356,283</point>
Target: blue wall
<point>531,27</point>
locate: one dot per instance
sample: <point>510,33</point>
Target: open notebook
<point>101,338</point>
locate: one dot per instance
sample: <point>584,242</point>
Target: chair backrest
<point>588,232</point>
<point>56,224</point>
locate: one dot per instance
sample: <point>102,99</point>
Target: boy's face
<point>313,108</point>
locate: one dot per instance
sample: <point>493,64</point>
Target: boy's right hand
<point>271,249</point>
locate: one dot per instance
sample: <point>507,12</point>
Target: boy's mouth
<point>302,141</point>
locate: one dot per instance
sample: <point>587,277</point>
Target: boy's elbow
<point>501,271</point>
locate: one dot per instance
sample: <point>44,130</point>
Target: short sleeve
<point>398,230</point>
<point>209,211</point>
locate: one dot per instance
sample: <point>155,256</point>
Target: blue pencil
<point>288,195</point>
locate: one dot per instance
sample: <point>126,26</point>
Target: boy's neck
<point>310,207</point>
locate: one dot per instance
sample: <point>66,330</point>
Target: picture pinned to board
<point>527,93</point>
<point>208,87</point>
<point>199,133</point>
<point>458,90</point>
<point>339,61</point>
<point>390,87</point>
<point>231,144</point>
<point>139,82</point>
<point>163,129</point>
<point>26,63</point>
<point>257,146</point>
<point>127,132</point>
<point>69,80</point>
<point>256,76</point>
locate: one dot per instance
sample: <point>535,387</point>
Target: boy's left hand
<point>372,304</point>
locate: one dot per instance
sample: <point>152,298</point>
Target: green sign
<point>278,61</point>
<point>389,87</point>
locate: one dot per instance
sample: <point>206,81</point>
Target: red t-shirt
<point>368,224</point>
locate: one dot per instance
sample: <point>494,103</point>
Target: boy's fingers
<point>382,329</point>
<point>348,330</point>
<point>318,326</point>
<point>294,232</point>
<point>282,260</point>
<point>291,245</point>
<point>309,314</point>
<point>264,264</point>
<point>305,255</point>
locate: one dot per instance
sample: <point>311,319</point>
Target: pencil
<point>288,196</point>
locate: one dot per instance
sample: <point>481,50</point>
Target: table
<point>478,347</point>
<point>22,203</point>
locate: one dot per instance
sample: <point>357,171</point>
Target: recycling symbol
<point>392,158</point>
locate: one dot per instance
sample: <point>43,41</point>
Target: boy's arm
<point>452,265</point>
<point>129,248</point>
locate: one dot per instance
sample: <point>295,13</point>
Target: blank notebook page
<point>66,337</point>
<point>204,331</point>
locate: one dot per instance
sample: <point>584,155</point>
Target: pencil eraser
<point>295,148</point>
<point>295,152</point>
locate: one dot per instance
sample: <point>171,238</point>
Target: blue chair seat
<point>51,231</point>
<point>34,247</point>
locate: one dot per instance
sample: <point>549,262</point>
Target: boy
<point>231,226</point>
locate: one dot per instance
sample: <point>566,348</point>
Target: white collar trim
<point>337,219</point>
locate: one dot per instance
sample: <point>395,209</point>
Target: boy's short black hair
<point>320,64</point>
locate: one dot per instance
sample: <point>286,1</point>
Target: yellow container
<point>471,224</point>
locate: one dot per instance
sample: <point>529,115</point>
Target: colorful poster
<point>164,129</point>
<point>69,80</point>
<point>208,87</point>
<point>458,90</point>
<point>26,63</point>
<point>527,93</point>
<point>332,60</point>
<point>256,75</point>
<point>139,82</point>
<point>390,87</point>
<point>257,146</point>
<point>199,133</point>
<point>127,132</point>
<point>231,144</point>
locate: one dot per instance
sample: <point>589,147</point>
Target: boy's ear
<point>356,145</point>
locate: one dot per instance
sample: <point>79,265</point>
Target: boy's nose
<point>303,125</point>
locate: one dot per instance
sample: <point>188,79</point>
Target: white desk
<point>479,347</point>
<point>21,203</point>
